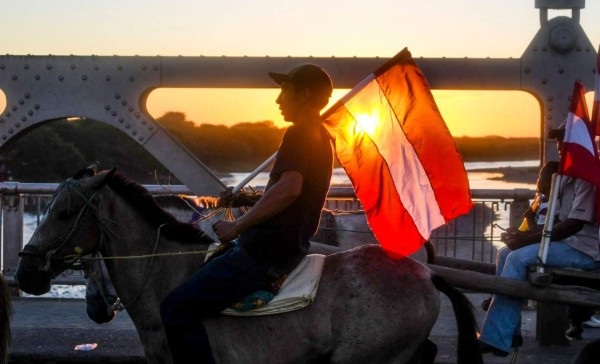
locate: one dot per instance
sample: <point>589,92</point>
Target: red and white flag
<point>392,141</point>
<point>596,106</point>
<point>579,156</point>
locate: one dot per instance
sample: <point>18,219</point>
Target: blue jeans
<point>214,287</point>
<point>503,318</point>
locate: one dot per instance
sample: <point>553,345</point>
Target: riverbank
<point>513,174</point>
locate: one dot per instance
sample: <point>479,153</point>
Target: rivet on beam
<point>96,67</point>
<point>134,132</point>
<point>23,118</point>
<point>2,66</point>
<point>137,114</point>
<point>17,125</point>
<point>14,77</point>
<point>130,108</point>
<point>123,102</point>
<point>29,112</point>
<point>131,78</point>
<point>10,131</point>
<point>37,77</point>
<point>73,66</point>
<point>7,114</point>
<point>121,119</point>
<point>141,138</point>
<point>21,101</point>
<point>119,67</point>
<point>36,106</point>
<point>144,67</point>
<point>117,95</point>
<point>48,66</point>
<point>26,66</point>
<point>561,70</point>
<point>127,126</point>
<point>107,107</point>
<point>4,137</point>
<point>84,77</point>
<point>151,127</point>
<point>14,108</point>
<point>27,95</point>
<point>61,78</point>
<point>107,77</point>
<point>113,113</point>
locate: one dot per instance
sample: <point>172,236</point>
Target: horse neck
<point>128,234</point>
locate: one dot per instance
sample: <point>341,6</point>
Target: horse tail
<point>589,354</point>
<point>468,347</point>
<point>5,316</point>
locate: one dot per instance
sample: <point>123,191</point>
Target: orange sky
<point>341,28</point>
<point>472,113</point>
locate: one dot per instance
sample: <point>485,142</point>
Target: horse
<point>369,306</point>
<point>5,317</point>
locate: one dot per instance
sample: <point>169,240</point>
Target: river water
<point>480,177</point>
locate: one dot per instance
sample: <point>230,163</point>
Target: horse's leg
<point>426,353</point>
<point>154,341</point>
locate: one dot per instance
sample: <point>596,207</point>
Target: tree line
<point>58,149</point>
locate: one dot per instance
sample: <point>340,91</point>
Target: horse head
<point>69,229</point>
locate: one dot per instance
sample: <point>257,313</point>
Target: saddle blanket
<point>297,291</point>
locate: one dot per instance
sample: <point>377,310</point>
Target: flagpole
<point>549,223</point>
<point>254,173</point>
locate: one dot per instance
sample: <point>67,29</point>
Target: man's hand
<point>226,230</point>
<point>514,238</point>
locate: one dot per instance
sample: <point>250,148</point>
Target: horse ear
<point>102,179</point>
<point>88,171</point>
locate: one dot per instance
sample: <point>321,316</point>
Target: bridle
<point>72,185</point>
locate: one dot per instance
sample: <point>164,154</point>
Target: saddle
<point>298,290</point>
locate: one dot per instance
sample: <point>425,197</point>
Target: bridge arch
<point>114,89</point>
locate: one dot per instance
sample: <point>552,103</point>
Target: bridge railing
<point>472,236</point>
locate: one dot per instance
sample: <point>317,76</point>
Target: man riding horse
<point>273,237</point>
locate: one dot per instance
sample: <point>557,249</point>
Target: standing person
<point>574,244</point>
<point>273,236</point>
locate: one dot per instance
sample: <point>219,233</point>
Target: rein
<point>77,260</point>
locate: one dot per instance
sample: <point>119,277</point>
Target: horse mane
<point>139,197</point>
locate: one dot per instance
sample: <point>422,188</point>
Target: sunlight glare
<point>368,122</point>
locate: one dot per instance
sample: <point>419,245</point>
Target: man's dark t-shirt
<point>283,240</point>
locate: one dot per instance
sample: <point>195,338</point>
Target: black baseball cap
<point>306,75</point>
<point>558,133</point>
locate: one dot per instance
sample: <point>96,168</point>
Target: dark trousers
<point>214,287</point>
